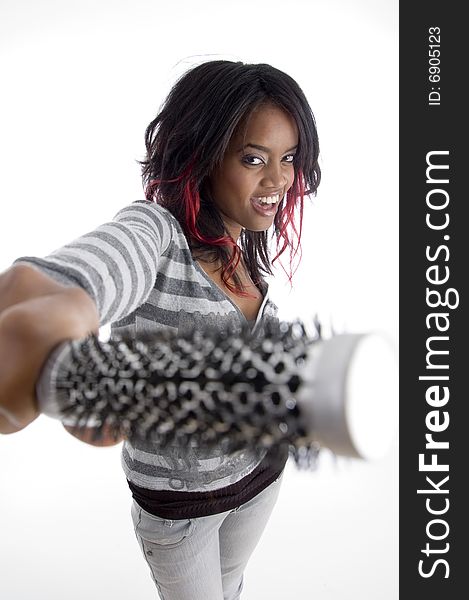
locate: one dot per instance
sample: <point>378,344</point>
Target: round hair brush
<point>232,389</point>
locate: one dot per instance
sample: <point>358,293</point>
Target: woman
<point>230,157</point>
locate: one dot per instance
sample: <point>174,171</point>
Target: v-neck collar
<point>224,295</point>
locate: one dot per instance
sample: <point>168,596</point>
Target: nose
<point>274,177</point>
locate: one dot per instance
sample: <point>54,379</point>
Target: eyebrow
<point>263,148</point>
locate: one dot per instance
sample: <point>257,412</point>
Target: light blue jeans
<point>203,558</point>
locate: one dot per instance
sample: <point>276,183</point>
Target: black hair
<point>188,139</point>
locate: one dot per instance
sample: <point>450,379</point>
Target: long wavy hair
<point>187,141</point>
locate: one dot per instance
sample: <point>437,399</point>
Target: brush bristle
<point>213,388</point>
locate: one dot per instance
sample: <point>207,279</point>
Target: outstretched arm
<point>36,314</point>
<point>100,277</point>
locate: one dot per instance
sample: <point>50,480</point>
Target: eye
<point>249,159</point>
<point>289,158</point>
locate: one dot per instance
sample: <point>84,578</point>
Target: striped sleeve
<point>116,263</point>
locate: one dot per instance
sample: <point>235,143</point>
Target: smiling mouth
<point>267,200</point>
<point>266,205</point>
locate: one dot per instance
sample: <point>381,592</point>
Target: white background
<point>80,82</point>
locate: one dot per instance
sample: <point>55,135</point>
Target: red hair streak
<point>191,199</point>
<point>285,219</point>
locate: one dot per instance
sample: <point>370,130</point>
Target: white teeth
<point>268,199</point>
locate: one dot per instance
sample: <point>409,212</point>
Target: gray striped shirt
<point>140,272</point>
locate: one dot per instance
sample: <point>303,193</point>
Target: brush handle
<point>229,389</point>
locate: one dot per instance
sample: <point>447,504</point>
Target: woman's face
<point>257,170</point>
